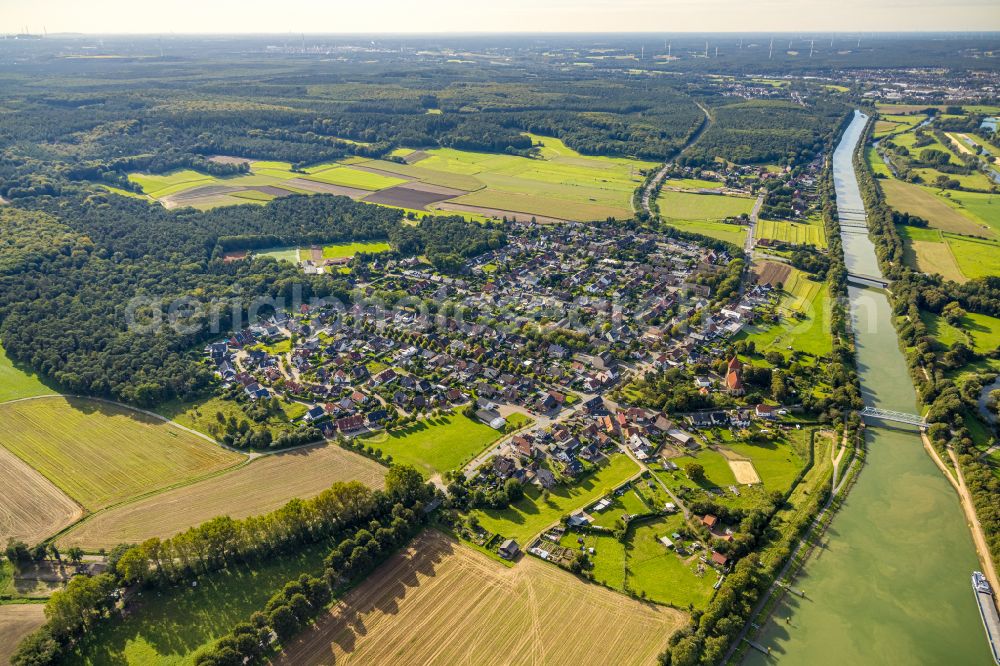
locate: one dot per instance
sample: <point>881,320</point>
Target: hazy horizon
<point>515,16</point>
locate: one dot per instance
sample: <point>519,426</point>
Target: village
<point>537,340</point>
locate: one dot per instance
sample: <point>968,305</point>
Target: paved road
<point>748,246</point>
<point>661,174</point>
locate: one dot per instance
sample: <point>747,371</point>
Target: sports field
<point>16,622</point>
<point>795,233</point>
<point>99,453</point>
<point>526,518</point>
<point>31,507</point>
<point>350,249</point>
<point>259,487</point>
<point>439,602</point>
<point>437,444</point>
<point>557,184</point>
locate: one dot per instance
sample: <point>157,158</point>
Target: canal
<point>891,582</point>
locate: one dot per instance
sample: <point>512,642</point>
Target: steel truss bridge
<point>896,417</point>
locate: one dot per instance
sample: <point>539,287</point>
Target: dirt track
<point>442,603</point>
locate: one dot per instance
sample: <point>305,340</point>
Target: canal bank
<point>890,583</point>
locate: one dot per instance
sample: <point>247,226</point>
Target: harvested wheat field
<point>100,453</point>
<point>31,508</point>
<point>256,488</point>
<point>441,603</point>
<point>16,622</point>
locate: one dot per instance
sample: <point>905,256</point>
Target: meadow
<point>731,233</point>
<point>169,626</point>
<point>437,444</point>
<point>921,201</point>
<point>99,453</point>
<point>558,184</point>
<point>530,515</point>
<point>927,251</point>
<point>804,326</point>
<point>256,488</point>
<point>690,206</point>
<point>659,574</point>
<point>439,602</point>
<point>18,382</point>
<point>795,233</point>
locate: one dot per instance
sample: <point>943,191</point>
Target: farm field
<point>690,206</point>
<point>926,251</point>
<point>976,257</point>
<point>99,453</point>
<point>16,622</point>
<point>795,233</point>
<point>692,184</point>
<point>31,507</point>
<point>731,233</point>
<point>921,201</point>
<point>438,602</point>
<point>559,184</point>
<point>805,315</point>
<point>171,625</point>
<point>259,487</point>
<point>532,514</point>
<point>436,445</point>
<point>20,383</point>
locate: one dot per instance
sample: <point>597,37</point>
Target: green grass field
<point>659,573</point>
<point>168,627</point>
<point>731,233</point>
<point>777,463</point>
<point>878,166</point>
<point>796,233</point>
<point>717,471</point>
<point>529,516</point>
<point>436,445</point>
<point>937,210</point>
<point>927,251</point>
<point>690,206</point>
<point>804,323</point>
<point>349,177</point>
<point>976,257</point>
<point>20,382</point>
<point>693,184</point>
<point>200,415</point>
<point>628,502</point>
<point>350,249</point>
<point>99,454</point>
<point>289,254</point>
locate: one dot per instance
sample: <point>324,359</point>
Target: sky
<point>416,16</point>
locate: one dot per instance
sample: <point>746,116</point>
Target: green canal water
<point>890,584</point>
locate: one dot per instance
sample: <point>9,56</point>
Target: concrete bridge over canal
<point>863,280</point>
<point>895,417</point>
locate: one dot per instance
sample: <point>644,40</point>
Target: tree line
<point>362,526</point>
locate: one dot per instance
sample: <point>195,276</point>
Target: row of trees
<point>350,514</point>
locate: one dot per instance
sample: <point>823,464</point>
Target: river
<point>891,583</point>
